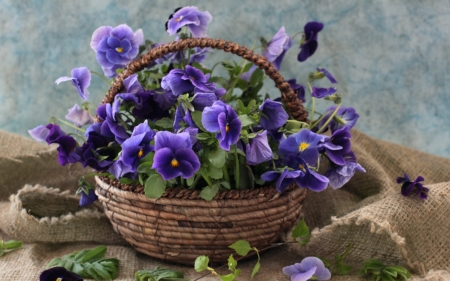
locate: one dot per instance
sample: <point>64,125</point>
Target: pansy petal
<point>98,35</point>
<point>63,79</point>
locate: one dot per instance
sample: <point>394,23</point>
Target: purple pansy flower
<point>39,133</point>
<point>120,170</point>
<point>78,116</point>
<point>67,144</point>
<point>277,47</point>
<point>300,89</point>
<point>87,199</point>
<point>340,175</point>
<point>310,268</point>
<point>221,118</point>
<point>284,179</point>
<point>338,145</point>
<point>273,115</point>
<point>309,44</point>
<point>191,17</point>
<point>307,179</point>
<point>115,47</point>
<point>345,116</point>
<point>112,122</point>
<point>409,185</point>
<point>183,81</point>
<point>258,150</point>
<point>327,74</point>
<point>59,273</point>
<point>174,155</point>
<point>137,145</point>
<point>132,84</point>
<point>81,79</point>
<point>322,92</point>
<point>304,144</point>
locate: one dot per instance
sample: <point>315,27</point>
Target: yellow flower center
<point>119,49</point>
<point>301,167</point>
<point>58,279</point>
<point>179,19</point>
<point>140,153</point>
<point>174,163</point>
<point>303,146</point>
<point>227,128</point>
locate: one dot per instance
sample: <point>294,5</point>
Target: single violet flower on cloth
<point>304,144</point>
<point>195,20</point>
<point>408,186</point>
<point>309,44</point>
<point>174,155</point>
<point>276,48</point>
<point>115,47</point>
<point>78,116</point>
<point>81,79</point>
<point>222,118</point>
<point>310,268</point>
<point>59,273</point>
<point>273,115</point>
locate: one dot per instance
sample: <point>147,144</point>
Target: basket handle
<point>289,97</point>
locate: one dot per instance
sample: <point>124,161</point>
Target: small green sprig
<point>159,274</point>
<point>379,271</point>
<point>338,266</point>
<point>89,263</point>
<point>9,246</point>
<point>301,230</point>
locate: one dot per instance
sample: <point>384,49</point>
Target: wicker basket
<point>180,225</point>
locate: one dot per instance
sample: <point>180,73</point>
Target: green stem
<point>329,119</point>
<point>197,178</point>
<point>214,66</point>
<point>207,179</point>
<point>182,182</point>
<point>318,120</point>
<point>101,76</point>
<point>313,103</point>
<point>70,125</point>
<point>225,173</point>
<point>295,35</point>
<point>236,171</point>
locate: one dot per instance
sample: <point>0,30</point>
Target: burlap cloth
<point>368,212</point>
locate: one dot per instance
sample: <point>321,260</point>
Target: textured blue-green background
<point>391,57</point>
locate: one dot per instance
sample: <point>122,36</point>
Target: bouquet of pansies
<point>177,124</point>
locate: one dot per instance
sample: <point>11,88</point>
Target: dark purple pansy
<point>258,150</point>
<point>304,144</point>
<point>322,92</point>
<point>408,186</point>
<point>310,268</point>
<point>67,145</point>
<point>59,273</point>
<point>115,47</point>
<point>174,155</point>
<point>78,116</point>
<point>39,133</point>
<point>308,178</point>
<point>327,74</point>
<point>277,47</point>
<point>284,179</point>
<point>221,118</point>
<point>340,175</point>
<point>338,145</point>
<point>309,44</point>
<point>190,16</point>
<point>298,88</point>
<point>87,199</point>
<point>273,115</point>
<point>81,79</point>
<point>345,116</point>
<point>112,122</point>
<point>173,81</point>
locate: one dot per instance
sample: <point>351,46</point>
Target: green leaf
<point>201,263</point>
<point>242,247</point>
<point>218,157</point>
<point>91,271</point>
<point>101,271</point>
<point>165,123</point>
<point>127,181</point>
<point>300,230</point>
<point>246,120</point>
<point>232,263</point>
<point>203,136</point>
<point>215,173</point>
<point>197,117</point>
<point>208,193</point>
<point>190,180</point>
<point>219,80</point>
<point>146,168</point>
<point>241,107</point>
<point>94,254</point>
<point>13,244</point>
<point>155,186</point>
<point>2,251</point>
<point>228,277</point>
<point>343,269</point>
<point>257,76</point>
<point>256,269</point>
<point>225,184</point>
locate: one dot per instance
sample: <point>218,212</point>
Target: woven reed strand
<point>288,95</point>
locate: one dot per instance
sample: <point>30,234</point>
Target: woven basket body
<point>180,230</point>
<point>180,225</point>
